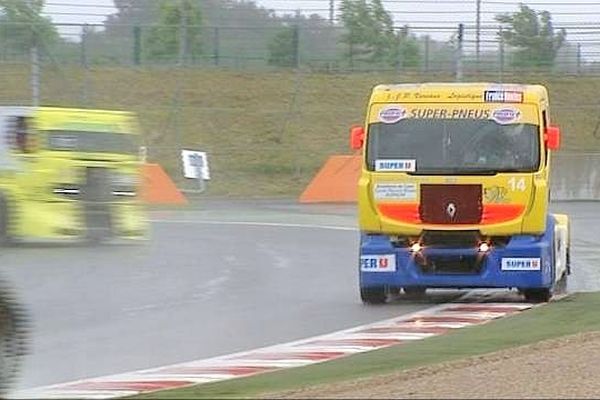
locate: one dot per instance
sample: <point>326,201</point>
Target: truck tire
<point>13,339</point>
<point>542,295</point>
<point>373,294</point>
<point>415,292</point>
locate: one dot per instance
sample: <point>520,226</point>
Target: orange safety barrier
<point>158,188</point>
<point>336,182</point>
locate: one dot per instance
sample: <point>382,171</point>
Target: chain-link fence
<point>268,129</point>
<point>314,45</point>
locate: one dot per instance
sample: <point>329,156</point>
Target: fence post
<point>459,53</point>
<point>578,58</point>
<point>296,47</point>
<point>216,45</point>
<point>426,55</point>
<point>83,46</point>
<point>501,55</point>
<point>399,60</point>
<point>84,64</point>
<point>137,45</point>
<point>183,33</point>
<point>351,54</point>
<point>35,72</point>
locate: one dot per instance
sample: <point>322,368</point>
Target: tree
<point>24,26</point>
<point>309,40</point>
<point>370,35</point>
<point>164,39</point>
<point>532,34</point>
<point>407,53</point>
<point>283,48</point>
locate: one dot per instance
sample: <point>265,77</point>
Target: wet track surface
<point>206,285</point>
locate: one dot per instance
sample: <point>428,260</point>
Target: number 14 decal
<point>517,184</point>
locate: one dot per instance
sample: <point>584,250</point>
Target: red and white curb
<point>396,331</point>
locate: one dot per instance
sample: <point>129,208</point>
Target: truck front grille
<point>97,186</point>
<point>451,239</point>
<point>451,265</point>
<point>451,204</point>
<point>96,196</point>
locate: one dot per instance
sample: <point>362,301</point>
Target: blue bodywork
<point>410,272</point>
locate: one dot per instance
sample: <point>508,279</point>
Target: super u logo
<point>378,263</point>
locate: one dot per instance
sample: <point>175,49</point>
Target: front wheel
<point>415,292</point>
<point>538,295</point>
<point>373,294</point>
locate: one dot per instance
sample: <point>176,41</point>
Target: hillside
<point>266,132</point>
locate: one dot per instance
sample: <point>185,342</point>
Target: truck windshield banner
<point>500,113</point>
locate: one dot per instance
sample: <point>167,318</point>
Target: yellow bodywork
<point>36,211</point>
<point>525,195</point>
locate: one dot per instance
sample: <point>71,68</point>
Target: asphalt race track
<point>216,279</point>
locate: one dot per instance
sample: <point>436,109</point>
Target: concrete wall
<point>575,176</point>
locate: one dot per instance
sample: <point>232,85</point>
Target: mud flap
<point>561,247</point>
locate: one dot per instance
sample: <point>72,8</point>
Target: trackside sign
<point>195,164</point>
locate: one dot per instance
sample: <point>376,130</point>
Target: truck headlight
<point>416,247</point>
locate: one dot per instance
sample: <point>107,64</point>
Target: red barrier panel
<point>336,182</point>
<point>158,188</point>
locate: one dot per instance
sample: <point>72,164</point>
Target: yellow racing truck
<point>454,191</point>
<point>69,174</point>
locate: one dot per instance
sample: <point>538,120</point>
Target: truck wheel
<point>415,292</point>
<point>13,344</point>
<point>373,294</point>
<point>538,295</point>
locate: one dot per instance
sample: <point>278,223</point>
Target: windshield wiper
<point>515,170</point>
<point>474,171</point>
<point>451,171</point>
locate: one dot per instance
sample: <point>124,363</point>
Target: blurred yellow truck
<point>69,174</point>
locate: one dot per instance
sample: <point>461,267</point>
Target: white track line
<point>250,223</point>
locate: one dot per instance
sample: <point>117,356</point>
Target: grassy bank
<point>267,133</point>
<point>578,313</point>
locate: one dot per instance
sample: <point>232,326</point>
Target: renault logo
<point>451,210</point>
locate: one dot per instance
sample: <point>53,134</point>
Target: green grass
<point>577,313</point>
<point>267,133</point>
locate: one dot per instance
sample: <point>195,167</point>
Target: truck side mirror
<point>552,137</point>
<point>357,137</point>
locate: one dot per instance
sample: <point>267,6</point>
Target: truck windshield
<point>452,146</point>
<point>92,142</point>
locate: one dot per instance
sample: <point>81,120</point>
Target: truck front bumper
<point>524,262</point>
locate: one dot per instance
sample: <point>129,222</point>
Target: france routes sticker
<point>396,191</point>
<point>506,115</point>
<point>392,114</point>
